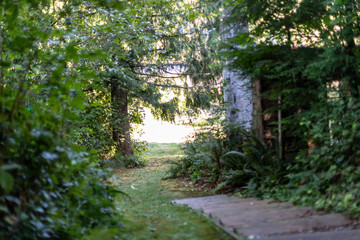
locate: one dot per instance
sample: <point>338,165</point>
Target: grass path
<point>149,213</point>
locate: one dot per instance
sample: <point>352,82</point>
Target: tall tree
<point>238,93</point>
<point>155,46</point>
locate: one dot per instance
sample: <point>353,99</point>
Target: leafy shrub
<point>256,160</point>
<point>119,160</point>
<point>204,152</point>
<point>328,177</point>
<point>51,191</point>
<point>93,131</point>
<point>49,188</point>
<point>325,176</point>
<point>254,167</point>
<point>139,147</point>
<point>230,157</point>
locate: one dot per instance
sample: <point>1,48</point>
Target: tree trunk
<point>237,85</point>
<point>120,121</point>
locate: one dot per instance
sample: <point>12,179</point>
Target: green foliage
<point>331,171</point>
<point>202,156</point>
<point>205,151</point>
<point>49,188</point>
<point>149,52</point>
<point>255,164</point>
<point>230,157</point>
<point>51,191</point>
<point>308,57</point>
<point>92,134</point>
<point>127,161</point>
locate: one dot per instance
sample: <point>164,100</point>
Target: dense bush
<point>203,154</point>
<point>119,160</point>
<point>228,156</point>
<point>328,177</point>
<point>49,190</point>
<point>256,164</point>
<point>93,131</point>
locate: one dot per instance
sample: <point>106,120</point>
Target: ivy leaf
<point>77,102</point>
<point>49,156</point>
<point>4,209</point>
<point>9,167</point>
<point>192,16</point>
<point>6,181</point>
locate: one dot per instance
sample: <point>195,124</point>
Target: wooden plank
<point>254,216</point>
<point>214,201</point>
<point>199,200</point>
<point>302,225</point>
<point>270,219</point>
<point>332,235</point>
<point>238,208</point>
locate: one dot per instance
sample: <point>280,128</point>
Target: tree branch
<point>177,74</point>
<point>175,86</point>
<point>149,75</point>
<point>186,74</point>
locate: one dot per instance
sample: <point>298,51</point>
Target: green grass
<point>149,213</point>
<point>163,150</point>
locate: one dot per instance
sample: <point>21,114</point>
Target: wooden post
<point>258,125</point>
<point>280,129</point>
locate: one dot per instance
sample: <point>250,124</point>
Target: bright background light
<point>163,132</point>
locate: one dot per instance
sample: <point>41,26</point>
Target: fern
<point>234,160</point>
<point>256,161</point>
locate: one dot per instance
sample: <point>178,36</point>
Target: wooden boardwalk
<point>272,220</point>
